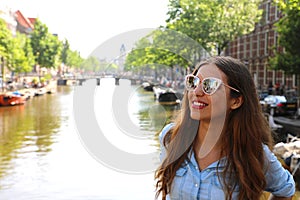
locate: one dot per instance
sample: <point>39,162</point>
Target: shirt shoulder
<point>279,181</point>
<point>164,131</point>
<point>162,134</point>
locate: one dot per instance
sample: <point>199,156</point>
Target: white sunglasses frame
<point>219,81</point>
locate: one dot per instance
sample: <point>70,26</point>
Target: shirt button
<point>196,185</point>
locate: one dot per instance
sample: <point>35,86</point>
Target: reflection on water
<point>42,157</point>
<point>149,113</point>
<point>28,129</point>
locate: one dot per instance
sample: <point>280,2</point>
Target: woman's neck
<point>207,145</point>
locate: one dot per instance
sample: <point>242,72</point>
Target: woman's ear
<point>237,102</point>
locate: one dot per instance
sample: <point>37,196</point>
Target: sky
<point>86,24</point>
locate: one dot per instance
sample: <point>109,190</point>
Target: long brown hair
<point>245,131</point>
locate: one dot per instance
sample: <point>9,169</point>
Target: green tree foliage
<point>91,64</point>
<point>288,28</point>
<point>64,52</point>
<point>194,29</point>
<point>21,59</point>
<point>74,59</point>
<point>28,53</point>
<point>46,47</point>
<point>69,57</point>
<point>15,51</point>
<point>163,47</point>
<point>213,23</point>
<point>21,53</point>
<point>5,40</point>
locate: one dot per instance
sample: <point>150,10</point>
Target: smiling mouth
<point>198,105</point>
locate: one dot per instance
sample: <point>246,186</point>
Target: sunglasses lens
<point>191,82</point>
<point>210,85</point>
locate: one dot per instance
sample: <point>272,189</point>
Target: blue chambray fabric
<point>192,184</point>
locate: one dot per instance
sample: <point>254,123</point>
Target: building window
<point>276,42</point>
<point>265,74</point>
<point>238,47</point>
<point>258,45</point>
<point>267,12</point>
<point>255,79</point>
<point>277,12</point>
<point>266,43</point>
<point>251,47</point>
<point>245,46</point>
<point>283,78</point>
<point>274,80</point>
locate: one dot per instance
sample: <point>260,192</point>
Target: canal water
<point>44,154</point>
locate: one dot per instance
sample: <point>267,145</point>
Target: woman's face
<point>208,107</point>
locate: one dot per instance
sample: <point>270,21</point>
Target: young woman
<point>219,146</point>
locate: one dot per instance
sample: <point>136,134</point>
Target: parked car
<point>262,95</point>
<point>291,105</point>
<point>279,105</point>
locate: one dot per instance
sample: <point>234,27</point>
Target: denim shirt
<point>191,183</point>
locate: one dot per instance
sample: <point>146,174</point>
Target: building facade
<point>256,48</point>
<point>9,17</point>
<point>24,25</point>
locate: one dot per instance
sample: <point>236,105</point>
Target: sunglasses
<point>209,85</point>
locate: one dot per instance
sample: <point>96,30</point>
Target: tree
<point>64,52</point>
<point>46,47</point>
<point>288,28</point>
<point>5,40</point>
<point>74,59</point>
<point>153,56</point>
<point>70,58</point>
<point>21,56</point>
<point>91,64</point>
<point>213,23</point>
<point>28,53</point>
<point>164,47</point>
<point>194,29</point>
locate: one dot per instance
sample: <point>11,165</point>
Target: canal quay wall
<point>23,89</point>
<point>25,86</point>
<point>289,125</point>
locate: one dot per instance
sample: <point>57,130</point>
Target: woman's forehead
<point>210,70</point>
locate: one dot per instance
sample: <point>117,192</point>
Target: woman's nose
<point>198,90</point>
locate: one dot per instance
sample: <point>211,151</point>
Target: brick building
<point>256,48</point>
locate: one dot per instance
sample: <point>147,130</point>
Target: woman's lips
<point>199,104</point>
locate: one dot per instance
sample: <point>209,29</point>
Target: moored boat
<point>148,86</point>
<point>40,91</point>
<point>11,99</point>
<point>166,96</point>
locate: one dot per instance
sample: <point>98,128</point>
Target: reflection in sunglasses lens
<point>208,86</point>
<point>191,82</point>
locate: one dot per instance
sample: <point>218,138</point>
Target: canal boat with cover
<point>11,99</point>
<point>167,96</point>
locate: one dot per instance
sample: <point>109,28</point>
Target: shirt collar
<point>193,161</point>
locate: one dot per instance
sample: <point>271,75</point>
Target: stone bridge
<point>80,80</point>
